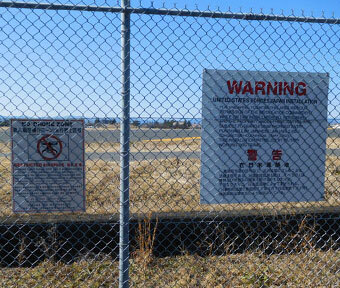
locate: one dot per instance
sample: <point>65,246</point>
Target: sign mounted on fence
<point>263,136</point>
<point>48,165</point>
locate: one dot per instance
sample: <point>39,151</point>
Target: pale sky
<point>67,63</point>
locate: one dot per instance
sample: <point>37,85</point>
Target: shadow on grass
<point>26,245</point>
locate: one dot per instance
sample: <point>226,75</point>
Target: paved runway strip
<point>153,135</point>
<point>106,135</point>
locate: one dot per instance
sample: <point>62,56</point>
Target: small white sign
<point>48,166</point>
<point>263,136</point>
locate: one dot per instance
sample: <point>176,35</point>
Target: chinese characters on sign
<point>277,154</point>
<point>252,155</point>
<point>48,165</point>
<point>263,136</point>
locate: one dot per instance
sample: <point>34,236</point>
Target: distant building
<point>335,126</point>
<point>178,124</point>
<point>99,125</point>
<point>196,126</point>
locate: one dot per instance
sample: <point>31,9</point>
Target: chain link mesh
<point>64,65</point>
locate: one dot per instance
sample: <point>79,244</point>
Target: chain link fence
<point>214,193</point>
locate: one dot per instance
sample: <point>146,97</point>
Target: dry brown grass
<point>308,269</point>
<point>89,147</point>
<point>5,147</point>
<point>332,176</point>
<point>172,185</point>
<point>101,147</point>
<point>5,187</point>
<point>102,187</point>
<point>333,143</point>
<point>165,145</point>
<point>145,240</point>
<point>243,270</point>
<point>168,185</point>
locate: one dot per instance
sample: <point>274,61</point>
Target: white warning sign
<point>48,165</point>
<point>263,136</point>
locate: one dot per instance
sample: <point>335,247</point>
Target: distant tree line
<point>100,122</point>
<point>4,123</point>
<point>170,124</point>
<point>105,121</point>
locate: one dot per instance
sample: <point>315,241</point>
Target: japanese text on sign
<point>48,165</point>
<point>263,136</point>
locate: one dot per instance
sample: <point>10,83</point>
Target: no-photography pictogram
<point>49,147</point>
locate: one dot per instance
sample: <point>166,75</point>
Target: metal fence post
<point>124,150</point>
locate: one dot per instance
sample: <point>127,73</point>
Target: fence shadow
<point>26,245</point>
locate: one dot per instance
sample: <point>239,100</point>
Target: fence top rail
<point>173,12</point>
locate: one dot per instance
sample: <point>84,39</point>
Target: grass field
<point>306,269</point>
<point>172,185</point>
<point>158,145</point>
<point>165,145</point>
<point>167,185</point>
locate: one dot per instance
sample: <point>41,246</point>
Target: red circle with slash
<point>49,147</point>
